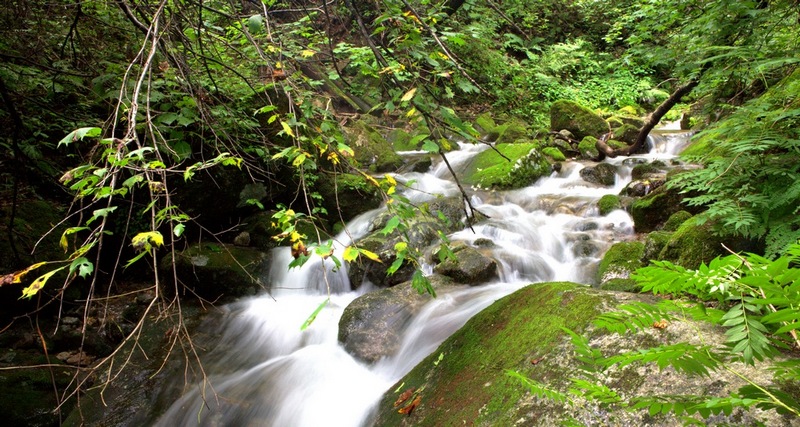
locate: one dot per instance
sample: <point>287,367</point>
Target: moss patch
<point>693,243</point>
<point>620,260</point>
<point>522,165</point>
<point>577,119</point>
<point>608,203</point>
<point>588,148</point>
<point>372,150</point>
<point>554,153</point>
<point>470,383</point>
<point>675,220</point>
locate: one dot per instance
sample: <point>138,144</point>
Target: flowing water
<point>263,370</point>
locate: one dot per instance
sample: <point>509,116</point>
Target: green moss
<point>588,148</point>
<point>577,119</point>
<point>654,243</point>
<point>554,153</point>
<point>654,209</point>
<point>608,203</point>
<point>620,260</point>
<point>485,122</point>
<point>510,132</point>
<point>624,285</point>
<point>471,383</point>
<point>515,166</point>
<point>675,220</point>
<point>372,150</point>
<point>693,243</point>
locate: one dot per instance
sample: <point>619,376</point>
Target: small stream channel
<point>265,371</point>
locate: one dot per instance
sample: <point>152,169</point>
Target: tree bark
<point>650,121</point>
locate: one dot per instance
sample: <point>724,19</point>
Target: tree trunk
<point>650,122</point>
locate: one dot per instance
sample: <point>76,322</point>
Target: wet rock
<point>620,261</point>
<point>608,204</point>
<point>371,326</point>
<point>507,166</point>
<point>471,267</point>
<point>602,174</point>
<point>242,239</point>
<point>651,211</point>
<point>349,194</point>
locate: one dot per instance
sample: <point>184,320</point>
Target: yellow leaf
<point>408,95</point>
<point>146,239</point>
<point>371,255</point>
<point>411,112</point>
<point>350,253</point>
<point>17,277</point>
<point>299,160</point>
<point>390,179</point>
<point>307,53</point>
<point>287,128</point>
<point>38,284</point>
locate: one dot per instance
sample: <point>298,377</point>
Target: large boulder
<point>577,119</point>
<point>651,211</point>
<point>693,243</point>
<point>466,380</point>
<point>371,326</point>
<point>507,166</point>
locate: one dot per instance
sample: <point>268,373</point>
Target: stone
<point>602,174</point>
<point>577,119</point>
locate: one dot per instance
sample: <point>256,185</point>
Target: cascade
<point>263,370</point>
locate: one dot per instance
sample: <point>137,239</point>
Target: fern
<point>683,357</point>
<point>539,389</point>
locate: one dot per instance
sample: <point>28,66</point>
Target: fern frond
<point>633,317</point>
<point>746,334</point>
<point>677,404</point>
<point>683,357</point>
<point>540,390</point>
<point>596,392</point>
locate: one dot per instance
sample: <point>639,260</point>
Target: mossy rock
<point>602,174</point>
<point>471,267</point>
<point>471,383</point>
<point>522,165</point>
<point>466,379</point>
<point>608,204</point>
<point>654,243</point>
<point>588,148</point>
<point>554,153</point>
<point>646,170</point>
<point>652,210</point>
<point>675,220</point>
<point>510,132</point>
<point>485,122</point>
<point>372,150</point>
<point>621,259</point>
<point>621,285</point>
<point>693,243</point>
<point>577,119</point>
<point>627,133</point>
<point>347,195</point>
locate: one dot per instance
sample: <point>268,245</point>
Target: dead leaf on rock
<point>411,406</point>
<point>404,396</point>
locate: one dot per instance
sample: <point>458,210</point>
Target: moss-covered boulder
<point>346,195</point>
<point>505,133</point>
<point>601,173</point>
<point>652,210</point>
<point>693,243</point>
<point>466,380</point>
<point>371,326</point>
<point>654,243</point>
<point>608,203</point>
<point>470,266</point>
<point>621,259</point>
<point>627,133</point>
<point>216,271</point>
<point>372,150</point>
<point>675,220</point>
<point>577,119</point>
<point>508,166</point>
<point>588,148</point>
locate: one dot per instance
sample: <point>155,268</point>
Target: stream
<point>264,371</point>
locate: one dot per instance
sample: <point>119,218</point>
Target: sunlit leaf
<point>408,95</point>
<point>39,283</point>
<point>350,253</point>
<point>371,255</point>
<point>314,315</point>
<point>79,134</point>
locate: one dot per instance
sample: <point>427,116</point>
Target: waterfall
<point>264,370</point>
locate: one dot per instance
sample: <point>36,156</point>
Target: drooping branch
<point>651,120</point>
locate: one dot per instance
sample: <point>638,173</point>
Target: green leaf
<point>430,146</point>
<point>255,23</point>
<point>391,225</point>
<point>350,253</point>
<point>83,265</point>
<point>314,315</point>
<point>79,134</point>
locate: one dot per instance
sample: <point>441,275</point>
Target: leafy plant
<point>753,298</point>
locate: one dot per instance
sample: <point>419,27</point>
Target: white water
<point>265,371</point>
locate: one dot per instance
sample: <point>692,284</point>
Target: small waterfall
<point>264,370</point>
